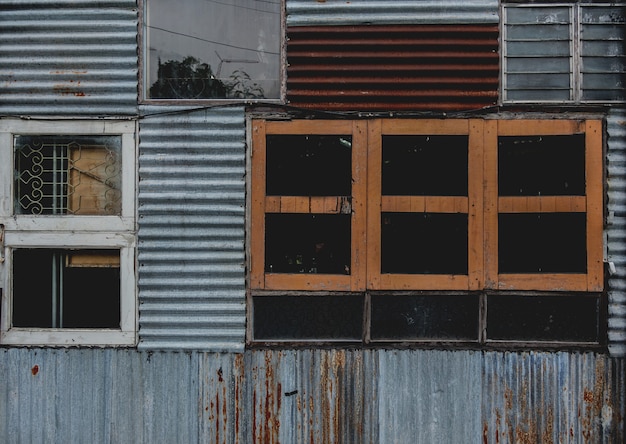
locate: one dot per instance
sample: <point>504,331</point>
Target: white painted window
<point>67,227</point>
<point>563,53</point>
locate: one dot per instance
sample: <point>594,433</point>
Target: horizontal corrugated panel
<point>319,396</point>
<point>360,12</point>
<point>616,230</point>
<point>191,229</point>
<point>68,57</point>
<point>603,53</point>
<point>427,67</point>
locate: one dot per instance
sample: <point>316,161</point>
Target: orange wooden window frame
<point>482,205</point>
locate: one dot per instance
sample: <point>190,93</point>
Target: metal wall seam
<point>363,12</point>
<point>616,230</point>
<point>69,58</point>
<point>192,229</point>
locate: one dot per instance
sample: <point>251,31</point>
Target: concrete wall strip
<point>364,12</point>
<point>69,58</point>
<point>191,229</point>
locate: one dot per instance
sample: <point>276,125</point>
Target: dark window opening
<point>302,165</point>
<point>424,243</point>
<point>66,288</point>
<point>307,243</point>
<point>424,165</point>
<point>542,243</point>
<point>541,165</point>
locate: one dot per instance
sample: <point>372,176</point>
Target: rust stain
<point>69,89</point>
<point>34,370</point>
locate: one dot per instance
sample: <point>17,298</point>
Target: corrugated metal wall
<point>191,229</point>
<point>68,57</point>
<point>616,230</point>
<point>363,12</point>
<point>318,396</point>
<point>393,68</point>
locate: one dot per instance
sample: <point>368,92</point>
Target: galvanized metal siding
<point>318,396</point>
<point>361,12</point>
<point>68,57</point>
<point>424,67</point>
<point>191,229</point>
<point>616,230</point>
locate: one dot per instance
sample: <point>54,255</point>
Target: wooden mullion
<point>421,204</point>
<point>427,127</point>
<point>542,204</point>
<point>543,281</point>
<point>257,206</point>
<point>319,127</point>
<point>540,127</point>
<point>423,282</point>
<point>490,203</point>
<point>374,189</point>
<point>474,205</point>
<point>358,271</point>
<point>595,204</point>
<point>308,281</point>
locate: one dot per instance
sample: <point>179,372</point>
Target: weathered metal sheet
<point>191,229</point>
<point>616,230</point>
<point>68,58</point>
<point>319,396</point>
<point>377,12</point>
<point>391,68</point>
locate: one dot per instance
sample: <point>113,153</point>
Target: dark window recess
<point>424,243</point>
<point>400,317</point>
<point>542,243</point>
<point>308,317</point>
<point>569,318</point>
<point>307,243</point>
<point>424,166</point>
<point>541,165</point>
<point>57,289</point>
<point>301,165</point>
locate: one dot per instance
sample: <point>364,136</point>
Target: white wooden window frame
<point>67,231</point>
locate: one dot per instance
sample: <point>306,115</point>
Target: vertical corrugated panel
<point>405,67</point>
<point>191,229</point>
<point>378,12</point>
<point>603,54</point>
<point>552,398</point>
<point>616,230</point>
<point>68,57</point>
<point>537,54</point>
<point>98,396</point>
<point>317,396</point>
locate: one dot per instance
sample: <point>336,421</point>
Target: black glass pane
<point>299,165</point>
<point>50,290</point>
<point>542,243</point>
<point>307,243</point>
<point>308,317</point>
<point>543,318</point>
<point>541,165</point>
<point>424,166</point>
<point>424,243</point>
<point>425,317</point>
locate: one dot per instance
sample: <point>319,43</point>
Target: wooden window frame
<point>482,205</point>
<point>85,232</point>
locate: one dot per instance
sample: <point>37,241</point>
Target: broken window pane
<point>572,318</point>
<point>425,317</point>
<point>541,165</point>
<point>307,243</point>
<point>424,243</point>
<point>198,49</point>
<point>308,317</point>
<point>66,288</point>
<point>78,175</point>
<point>424,165</point>
<point>542,243</point>
<point>300,165</point>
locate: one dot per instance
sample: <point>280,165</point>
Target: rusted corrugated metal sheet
<point>68,57</point>
<point>360,12</point>
<point>191,229</point>
<point>426,67</point>
<point>616,230</point>
<point>317,396</point>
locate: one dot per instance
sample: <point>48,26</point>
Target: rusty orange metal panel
<point>386,68</point>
